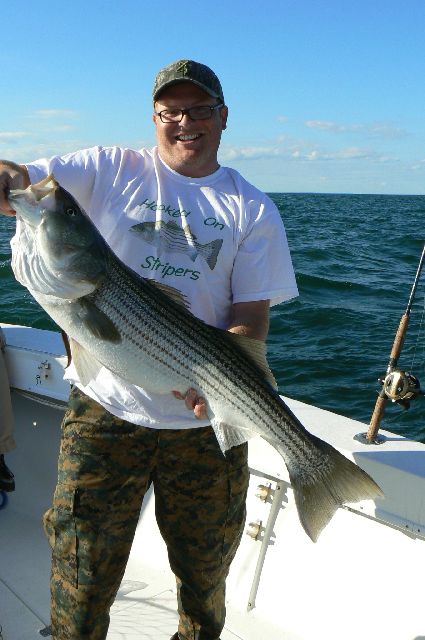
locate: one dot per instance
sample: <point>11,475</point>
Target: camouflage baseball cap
<point>188,71</point>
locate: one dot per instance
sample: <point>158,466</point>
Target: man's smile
<point>188,137</point>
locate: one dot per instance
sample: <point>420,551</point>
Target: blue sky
<point>324,95</point>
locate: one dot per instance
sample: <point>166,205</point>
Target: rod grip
<point>375,421</point>
<point>398,341</point>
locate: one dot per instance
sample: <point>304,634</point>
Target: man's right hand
<point>12,176</point>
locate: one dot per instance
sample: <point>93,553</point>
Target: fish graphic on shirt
<point>169,236</point>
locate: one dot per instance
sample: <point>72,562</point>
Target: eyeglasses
<point>194,113</point>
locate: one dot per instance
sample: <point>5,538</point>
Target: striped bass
<point>144,332</point>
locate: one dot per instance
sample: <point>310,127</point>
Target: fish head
<point>66,240</point>
<point>27,201</point>
<point>146,230</point>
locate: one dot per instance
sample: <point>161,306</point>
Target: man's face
<point>190,146</point>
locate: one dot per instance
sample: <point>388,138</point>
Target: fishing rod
<point>397,385</point>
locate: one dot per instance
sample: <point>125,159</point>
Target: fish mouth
<point>27,202</point>
<point>44,188</point>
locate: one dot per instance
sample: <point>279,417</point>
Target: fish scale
<point>140,331</point>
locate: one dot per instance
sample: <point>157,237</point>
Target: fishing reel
<point>401,387</point>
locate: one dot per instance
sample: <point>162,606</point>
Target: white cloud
<point>54,113</point>
<point>249,153</point>
<point>13,136</point>
<point>301,151</point>
<point>323,125</point>
<point>420,164</point>
<point>22,153</point>
<point>375,129</point>
<point>353,153</point>
<point>349,153</point>
<point>60,128</point>
<point>312,155</point>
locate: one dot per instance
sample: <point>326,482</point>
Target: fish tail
<point>210,252</point>
<point>335,481</point>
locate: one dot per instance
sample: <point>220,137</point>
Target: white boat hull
<point>362,579</point>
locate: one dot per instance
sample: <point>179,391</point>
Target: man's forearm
<point>250,319</point>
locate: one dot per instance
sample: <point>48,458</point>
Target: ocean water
<point>355,258</point>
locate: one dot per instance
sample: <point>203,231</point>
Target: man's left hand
<point>193,402</point>
<point>250,319</point>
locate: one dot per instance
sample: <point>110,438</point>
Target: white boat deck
<point>362,579</point>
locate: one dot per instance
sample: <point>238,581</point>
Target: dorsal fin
<point>256,350</point>
<point>172,293</point>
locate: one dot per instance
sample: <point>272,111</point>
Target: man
<point>7,442</point>
<point>174,215</point>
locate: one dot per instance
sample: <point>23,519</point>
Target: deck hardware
<point>276,506</point>
<point>254,529</point>
<point>263,491</point>
<point>44,367</point>
<point>362,437</point>
<point>47,631</point>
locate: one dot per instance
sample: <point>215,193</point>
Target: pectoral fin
<point>97,322</point>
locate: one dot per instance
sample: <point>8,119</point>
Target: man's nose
<point>186,119</point>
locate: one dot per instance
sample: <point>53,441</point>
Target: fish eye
<point>71,212</point>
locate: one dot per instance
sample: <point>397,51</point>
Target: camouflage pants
<point>105,467</point>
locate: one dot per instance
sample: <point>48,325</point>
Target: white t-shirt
<point>217,239</point>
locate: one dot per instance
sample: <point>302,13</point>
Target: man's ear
<point>224,113</point>
<point>154,116</point>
